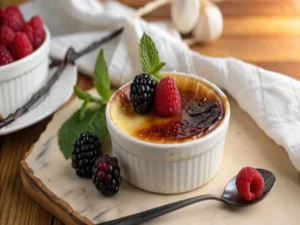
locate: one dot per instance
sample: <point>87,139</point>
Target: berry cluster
<point>88,161</point>
<point>106,175</point>
<point>86,150</point>
<point>17,37</point>
<point>142,92</point>
<point>146,94</point>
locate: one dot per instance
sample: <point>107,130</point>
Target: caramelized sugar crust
<point>202,111</point>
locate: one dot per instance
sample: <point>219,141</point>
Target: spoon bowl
<point>230,197</point>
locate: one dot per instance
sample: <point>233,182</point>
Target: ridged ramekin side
<point>21,79</point>
<point>17,91</point>
<point>170,168</point>
<point>172,176</point>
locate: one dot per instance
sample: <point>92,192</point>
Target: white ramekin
<point>170,168</point>
<point>21,79</point>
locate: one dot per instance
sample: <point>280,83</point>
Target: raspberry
<point>86,150</point>
<point>21,46</point>
<point>5,56</point>
<point>35,39</point>
<point>37,24</point>
<point>1,15</point>
<point>167,98</point>
<point>142,92</point>
<point>35,31</point>
<point>106,175</point>
<point>6,35</point>
<point>12,17</point>
<point>250,184</point>
<point>27,29</point>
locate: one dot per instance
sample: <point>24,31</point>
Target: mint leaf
<point>87,119</point>
<point>87,99</point>
<point>101,78</point>
<point>93,122</point>
<point>86,96</point>
<point>149,57</point>
<point>80,93</point>
<point>83,108</point>
<point>158,68</point>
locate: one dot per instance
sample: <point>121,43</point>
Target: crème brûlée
<point>202,111</point>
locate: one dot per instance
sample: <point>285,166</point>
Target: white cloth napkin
<point>271,99</point>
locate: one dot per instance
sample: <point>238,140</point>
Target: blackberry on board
<point>86,150</point>
<point>142,91</point>
<point>106,175</point>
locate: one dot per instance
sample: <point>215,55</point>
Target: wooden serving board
<point>50,180</point>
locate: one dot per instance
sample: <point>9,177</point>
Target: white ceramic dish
<point>59,94</point>
<point>170,168</point>
<point>21,79</point>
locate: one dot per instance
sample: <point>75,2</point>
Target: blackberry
<point>86,150</point>
<point>142,92</point>
<point>106,175</point>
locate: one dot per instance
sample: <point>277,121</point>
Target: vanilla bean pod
<point>55,63</point>
<point>70,57</point>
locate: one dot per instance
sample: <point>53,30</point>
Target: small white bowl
<point>21,79</point>
<point>170,168</point>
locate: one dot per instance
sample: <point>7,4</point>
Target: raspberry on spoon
<point>250,184</point>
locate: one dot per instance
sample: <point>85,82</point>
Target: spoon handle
<point>159,211</point>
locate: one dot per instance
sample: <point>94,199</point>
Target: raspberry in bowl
<point>176,153</point>
<point>24,50</point>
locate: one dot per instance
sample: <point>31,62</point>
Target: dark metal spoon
<point>230,197</point>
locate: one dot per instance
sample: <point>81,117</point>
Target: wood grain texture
<point>16,207</point>
<point>4,3</point>
<point>57,222</point>
<point>37,191</point>
<point>288,68</point>
<point>262,32</point>
<point>257,26</point>
<point>237,8</point>
<point>255,49</point>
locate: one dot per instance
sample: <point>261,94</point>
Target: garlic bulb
<point>185,14</point>
<point>210,23</point>
<point>150,6</point>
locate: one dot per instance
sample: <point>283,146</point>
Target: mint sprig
<point>94,122</point>
<point>149,58</point>
<point>101,78</point>
<point>92,119</point>
<point>88,119</point>
<point>87,98</point>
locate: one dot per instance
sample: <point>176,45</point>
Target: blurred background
<point>263,32</point>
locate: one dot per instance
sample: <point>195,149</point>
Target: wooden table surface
<point>263,32</point>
